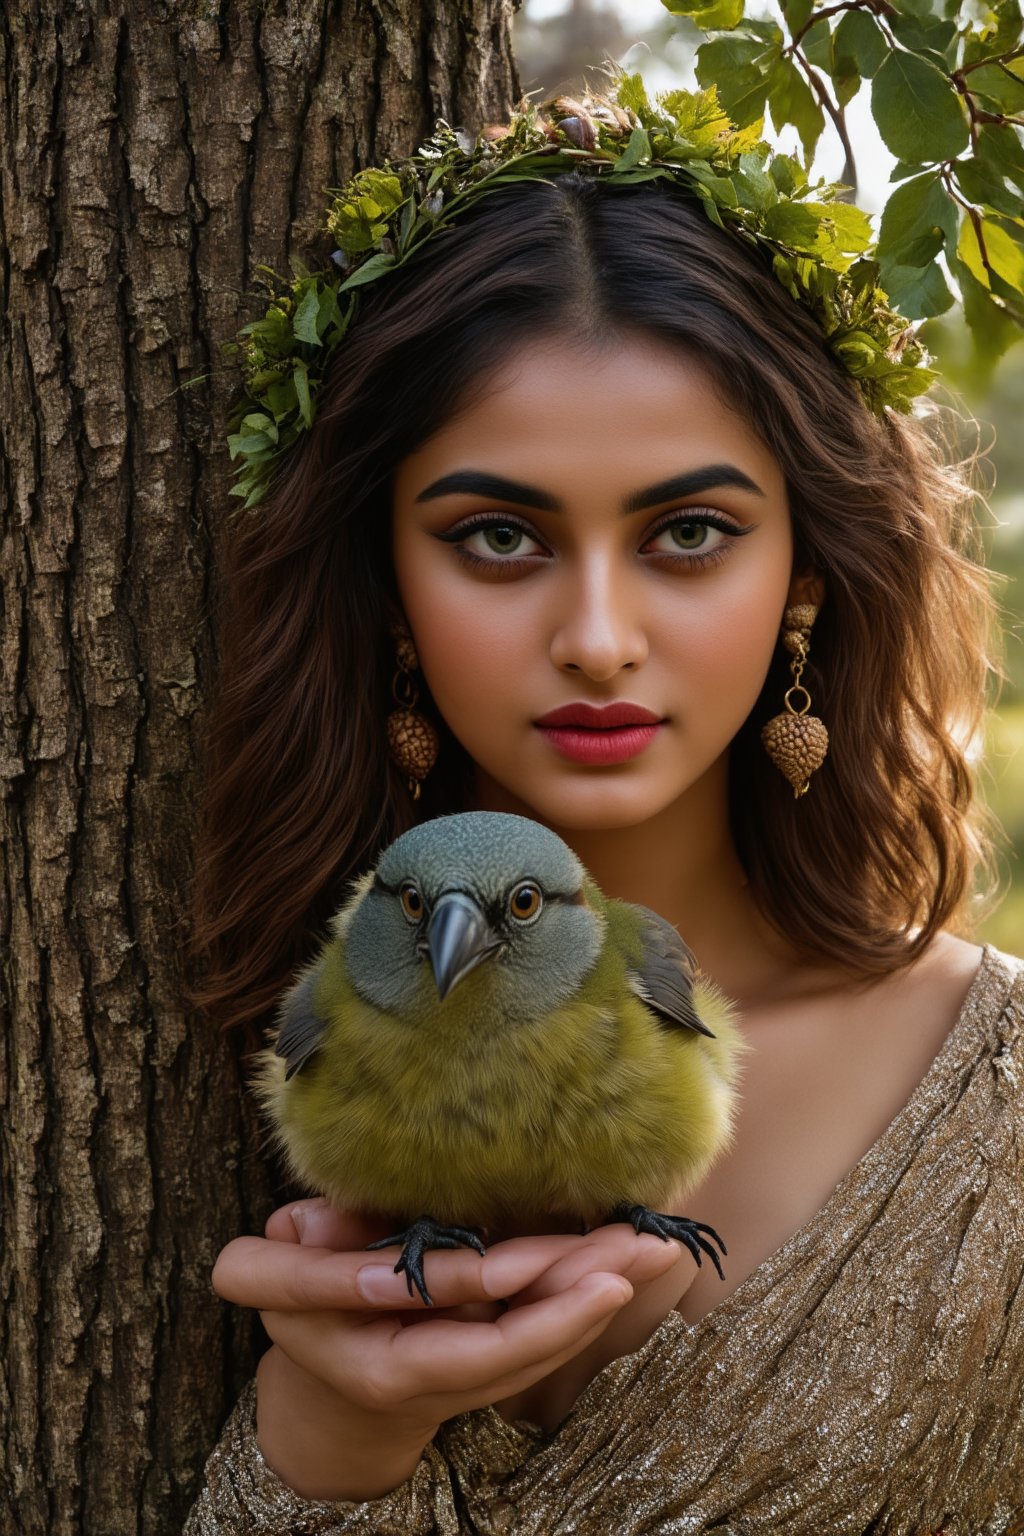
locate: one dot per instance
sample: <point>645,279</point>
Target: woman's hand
<point>361,1374</point>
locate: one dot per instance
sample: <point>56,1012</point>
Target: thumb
<point>318,1224</point>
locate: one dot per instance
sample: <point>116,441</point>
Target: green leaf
<point>301,382</point>
<point>846,87</point>
<point>1005,35</point>
<point>721,188</point>
<point>849,226</point>
<point>917,109</point>
<point>638,148</point>
<point>247,443</point>
<point>796,12</point>
<point>997,88</point>
<point>728,62</point>
<point>279,398</point>
<point>902,169</point>
<point>769,31</point>
<point>787,173</point>
<point>917,221</point>
<point>359,215</point>
<point>790,100</point>
<point>639,173</point>
<point>1003,255</point>
<point>917,7</point>
<point>752,180</point>
<point>708,14</point>
<point>981,183</point>
<point>793,224</point>
<point>929,35</point>
<point>858,41</point>
<point>632,95</point>
<point>817,45</point>
<point>991,327</point>
<point>257,422</point>
<point>372,268</point>
<point>1000,145</point>
<point>918,292</point>
<point>305,317</point>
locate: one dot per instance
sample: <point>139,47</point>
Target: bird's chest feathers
<point>474,1077</point>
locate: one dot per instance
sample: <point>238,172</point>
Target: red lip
<point>607,718</point>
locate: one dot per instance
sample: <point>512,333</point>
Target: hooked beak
<point>458,938</point>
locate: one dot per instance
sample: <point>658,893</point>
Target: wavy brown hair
<point>300,791</point>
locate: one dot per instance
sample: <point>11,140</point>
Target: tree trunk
<point>152,153</point>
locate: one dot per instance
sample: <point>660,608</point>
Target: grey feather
<point>666,975</point>
<point>302,1030</point>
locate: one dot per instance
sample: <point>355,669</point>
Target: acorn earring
<point>412,740</point>
<point>797,742</point>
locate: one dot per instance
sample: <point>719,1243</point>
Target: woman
<point>588,450</point>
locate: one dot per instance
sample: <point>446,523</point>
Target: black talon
<point>643,1219</point>
<point>425,1233</point>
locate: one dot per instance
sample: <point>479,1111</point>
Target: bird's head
<point>480,903</point>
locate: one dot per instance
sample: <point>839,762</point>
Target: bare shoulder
<point>939,980</point>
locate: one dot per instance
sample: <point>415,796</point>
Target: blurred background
<point>558,43</point>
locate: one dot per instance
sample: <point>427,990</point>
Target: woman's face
<point>596,527</point>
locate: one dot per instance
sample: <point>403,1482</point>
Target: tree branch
<point>834,112</point>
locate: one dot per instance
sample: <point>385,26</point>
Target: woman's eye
<point>498,539</point>
<point>690,535</point>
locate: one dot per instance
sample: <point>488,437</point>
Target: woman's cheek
<point>470,667</point>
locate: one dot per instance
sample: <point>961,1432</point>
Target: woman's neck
<point>682,863</point>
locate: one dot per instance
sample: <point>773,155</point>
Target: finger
<point>280,1225</point>
<point>318,1224</point>
<point>641,1259</point>
<point>285,1276</point>
<point>464,1357</point>
<point>456,1365</point>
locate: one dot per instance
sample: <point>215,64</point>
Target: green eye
<point>525,901</point>
<point>503,538</point>
<point>689,535</point>
<point>412,901</point>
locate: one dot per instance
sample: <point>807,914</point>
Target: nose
<point>599,627</point>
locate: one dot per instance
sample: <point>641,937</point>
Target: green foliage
<point>820,246</point>
<point>947,93</point>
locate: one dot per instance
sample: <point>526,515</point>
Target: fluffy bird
<point>487,1039</point>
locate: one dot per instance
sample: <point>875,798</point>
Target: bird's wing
<point>664,980</point>
<point>302,1029</point>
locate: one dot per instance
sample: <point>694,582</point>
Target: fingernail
<point>378,1282</point>
<point>298,1216</point>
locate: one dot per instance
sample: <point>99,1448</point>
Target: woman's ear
<point>807,587</point>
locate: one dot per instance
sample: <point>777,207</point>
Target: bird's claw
<point>643,1219</point>
<point>422,1234</point>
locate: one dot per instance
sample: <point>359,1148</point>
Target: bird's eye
<point>525,901</point>
<point>412,901</point>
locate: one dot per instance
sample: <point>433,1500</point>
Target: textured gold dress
<point>867,1377</point>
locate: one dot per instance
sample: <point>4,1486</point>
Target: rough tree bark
<point>152,152</point>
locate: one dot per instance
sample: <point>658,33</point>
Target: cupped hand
<point>500,1322</point>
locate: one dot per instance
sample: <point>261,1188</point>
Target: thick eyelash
<point>498,565</point>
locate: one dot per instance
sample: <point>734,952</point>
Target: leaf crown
<point>820,246</point>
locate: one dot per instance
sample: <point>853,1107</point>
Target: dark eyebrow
<point>474,482</point>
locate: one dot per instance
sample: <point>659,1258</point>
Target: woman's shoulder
<point>995,995</point>
<point>983,1080</point>
<point>988,1026</point>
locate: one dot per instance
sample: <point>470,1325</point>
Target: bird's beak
<point>458,938</point>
